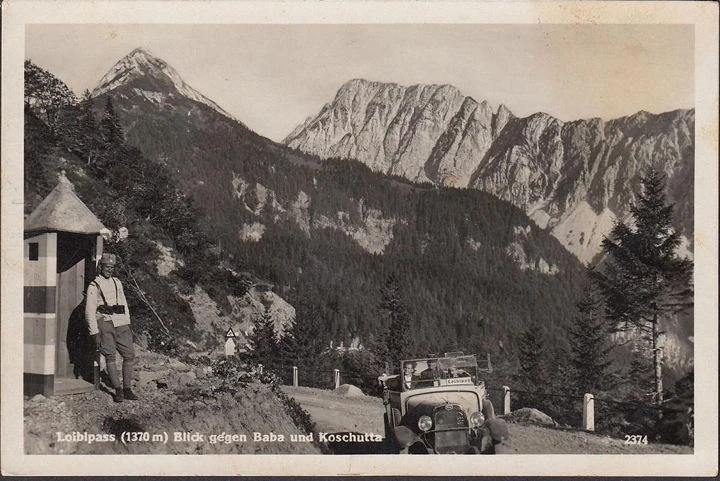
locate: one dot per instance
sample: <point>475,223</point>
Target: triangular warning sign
<point>230,333</point>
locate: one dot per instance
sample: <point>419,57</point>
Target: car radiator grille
<point>455,439</point>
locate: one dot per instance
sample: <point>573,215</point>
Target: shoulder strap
<point>101,292</point>
<point>117,299</point>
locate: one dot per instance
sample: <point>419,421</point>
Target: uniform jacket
<point>112,289</point>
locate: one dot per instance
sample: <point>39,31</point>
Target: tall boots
<point>119,395</point>
<point>122,394</point>
<point>129,395</point>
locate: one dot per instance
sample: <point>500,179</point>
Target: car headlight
<point>477,419</point>
<point>425,423</point>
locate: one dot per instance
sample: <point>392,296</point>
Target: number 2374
<point>636,439</point>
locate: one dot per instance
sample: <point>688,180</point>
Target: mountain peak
<point>142,56</point>
<point>360,82</point>
<point>355,85</point>
<point>357,81</point>
<point>148,74</point>
<point>138,63</point>
<point>140,51</point>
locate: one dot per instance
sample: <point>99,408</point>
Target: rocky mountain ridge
<point>573,178</point>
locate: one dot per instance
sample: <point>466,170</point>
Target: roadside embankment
<point>181,410</point>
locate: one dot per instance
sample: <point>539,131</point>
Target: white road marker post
<point>506,399</point>
<point>295,376</point>
<point>588,412</point>
<point>336,376</point>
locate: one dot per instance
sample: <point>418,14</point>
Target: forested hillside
<point>470,269</point>
<point>328,234</point>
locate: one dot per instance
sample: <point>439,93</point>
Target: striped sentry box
<point>40,318</point>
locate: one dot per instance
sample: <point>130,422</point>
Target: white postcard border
<point>704,15</point>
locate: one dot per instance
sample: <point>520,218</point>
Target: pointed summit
<point>151,77</point>
<point>137,64</point>
<point>142,51</point>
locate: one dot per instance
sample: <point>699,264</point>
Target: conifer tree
<point>643,281</point>
<point>399,338</point>
<point>86,139</point>
<point>532,352</point>
<point>299,345</point>
<point>640,375</point>
<point>590,346</point>
<point>110,127</point>
<point>304,343</point>
<point>263,341</point>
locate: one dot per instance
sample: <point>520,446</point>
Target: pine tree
<point>304,343</point>
<point>643,281</point>
<point>399,338</point>
<point>590,346</point>
<point>378,347</point>
<point>640,373</point>
<point>112,132</point>
<point>289,350</point>
<point>86,140</point>
<point>532,375</point>
<point>263,341</point>
<point>532,352</point>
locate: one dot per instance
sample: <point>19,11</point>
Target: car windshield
<point>458,367</point>
<point>428,372</point>
<point>418,373</point>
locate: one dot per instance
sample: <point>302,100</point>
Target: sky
<point>273,76</point>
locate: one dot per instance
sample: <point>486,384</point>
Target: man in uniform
<point>108,318</point>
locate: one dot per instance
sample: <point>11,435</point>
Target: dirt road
<point>334,413</point>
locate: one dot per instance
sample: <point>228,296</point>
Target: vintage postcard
<point>320,238</point>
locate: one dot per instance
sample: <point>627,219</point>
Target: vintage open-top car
<point>438,405</point>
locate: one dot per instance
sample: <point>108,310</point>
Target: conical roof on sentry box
<point>63,211</point>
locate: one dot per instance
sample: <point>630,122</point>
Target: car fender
<point>404,437</point>
<point>498,429</point>
<point>487,409</point>
<point>483,442</point>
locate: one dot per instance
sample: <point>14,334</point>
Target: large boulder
<point>348,390</point>
<point>530,416</point>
